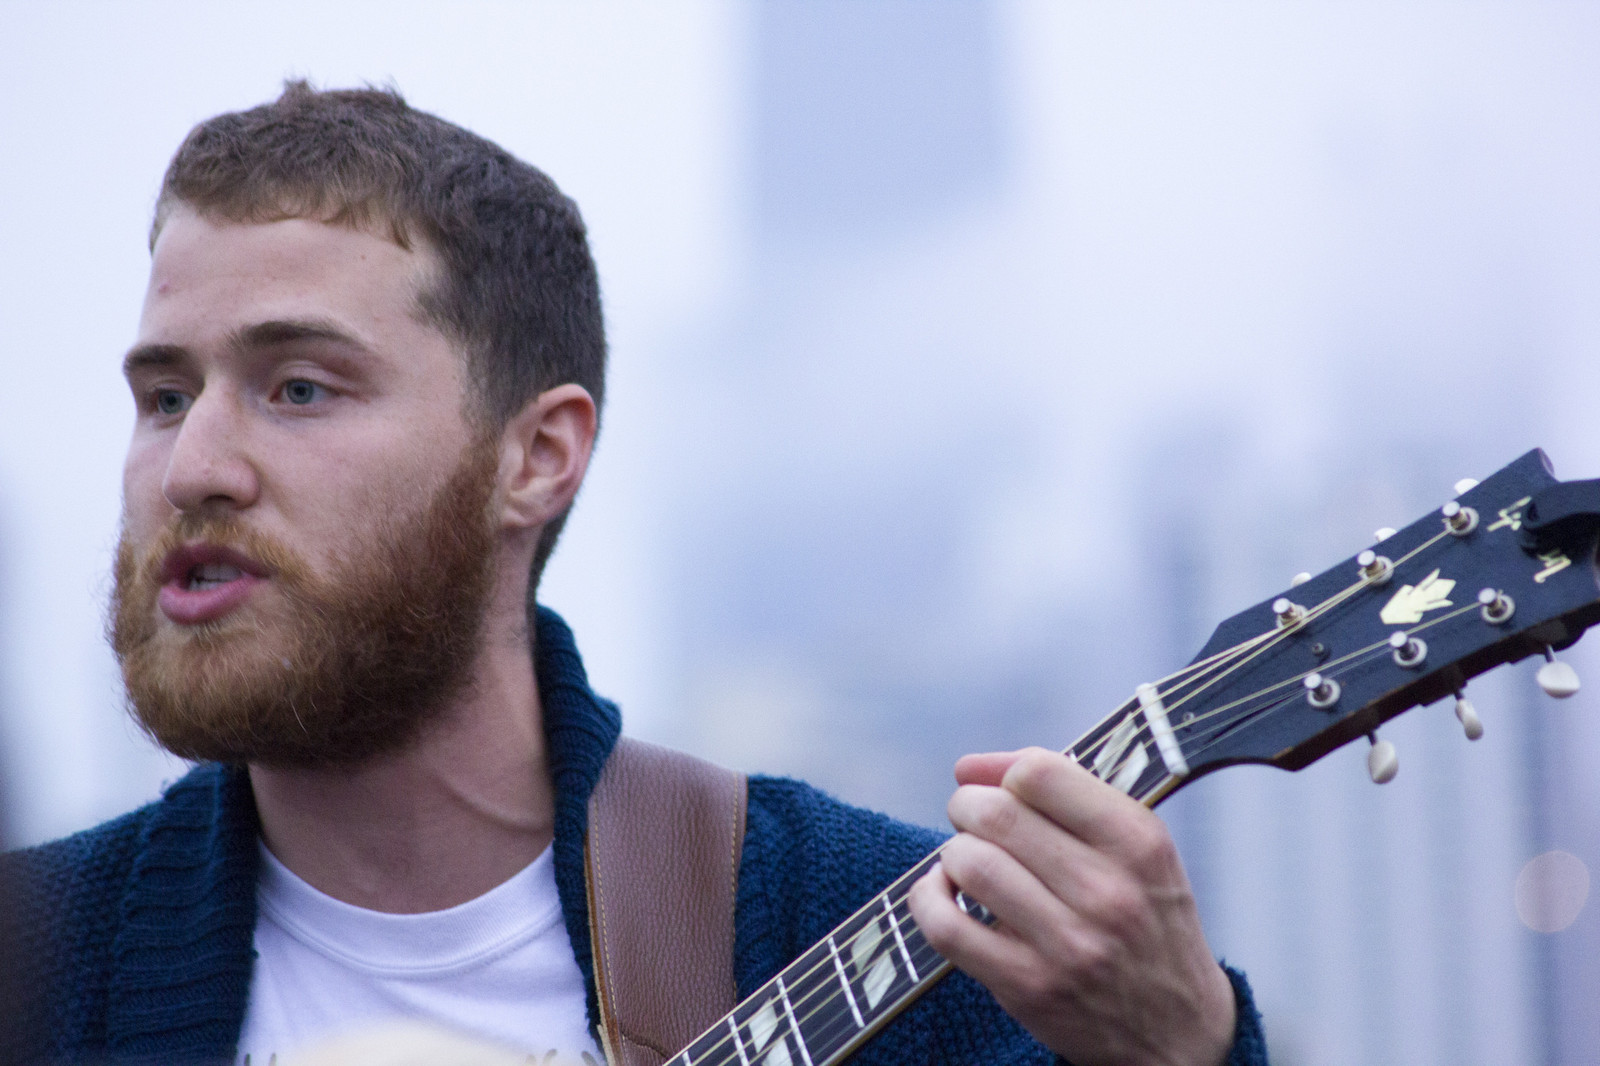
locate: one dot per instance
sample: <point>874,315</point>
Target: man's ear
<point>544,452</point>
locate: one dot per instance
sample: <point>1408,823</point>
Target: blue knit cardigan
<point>134,939</point>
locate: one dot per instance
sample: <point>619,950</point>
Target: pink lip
<point>187,606</point>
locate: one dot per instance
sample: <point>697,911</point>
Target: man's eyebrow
<point>145,356</point>
<point>260,335</point>
<point>286,331</point>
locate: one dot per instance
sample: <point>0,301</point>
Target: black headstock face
<point>1457,592</point>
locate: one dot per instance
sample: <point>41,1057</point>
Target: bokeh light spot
<point>1551,891</point>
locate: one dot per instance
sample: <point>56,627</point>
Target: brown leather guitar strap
<point>662,865</point>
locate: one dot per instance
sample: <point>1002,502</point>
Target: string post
<point>1409,651</point>
<point>1375,569</point>
<point>1459,520</point>
<point>1495,606</point>
<point>1288,612</point>
<point>1321,692</point>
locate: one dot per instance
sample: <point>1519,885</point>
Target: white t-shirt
<point>499,967</point>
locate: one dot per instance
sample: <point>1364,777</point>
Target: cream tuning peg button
<point>1383,762</point>
<point>1467,715</point>
<point>1381,535</point>
<point>1466,484</point>
<point>1299,579</point>
<point>1557,678</point>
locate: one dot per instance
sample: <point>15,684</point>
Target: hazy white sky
<point>917,420</point>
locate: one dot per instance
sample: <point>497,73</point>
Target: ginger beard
<point>347,665</point>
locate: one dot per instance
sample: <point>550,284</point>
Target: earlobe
<point>544,453</point>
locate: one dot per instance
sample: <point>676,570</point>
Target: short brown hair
<point>518,291</point>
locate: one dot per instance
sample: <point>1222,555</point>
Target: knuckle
<point>1095,959</point>
<point>994,813</point>
<point>975,876</point>
<point>1036,983</point>
<point>938,928</point>
<point>1150,848</point>
<point>1113,906</point>
<point>1029,773</point>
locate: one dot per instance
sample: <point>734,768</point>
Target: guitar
<point>1504,571</point>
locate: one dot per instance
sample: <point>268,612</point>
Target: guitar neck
<point>1281,683</point>
<point>875,964</point>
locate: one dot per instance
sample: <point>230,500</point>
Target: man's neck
<point>441,822</point>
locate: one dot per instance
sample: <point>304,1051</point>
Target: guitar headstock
<point>1504,571</point>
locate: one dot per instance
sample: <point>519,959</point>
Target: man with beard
<point>367,380</point>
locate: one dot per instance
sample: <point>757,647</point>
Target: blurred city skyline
<point>970,362</point>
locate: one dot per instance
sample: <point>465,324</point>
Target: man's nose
<point>209,464</point>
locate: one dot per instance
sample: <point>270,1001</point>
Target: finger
<point>1081,803</point>
<point>975,948</point>
<point>985,768</point>
<point>1024,905</point>
<point>1062,862</point>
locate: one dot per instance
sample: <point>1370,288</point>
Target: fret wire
<point>1219,661</point>
<point>894,926</point>
<point>844,980</point>
<point>738,1045</point>
<point>822,1022</point>
<point>794,1022</point>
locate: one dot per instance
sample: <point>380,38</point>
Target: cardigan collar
<point>183,953</point>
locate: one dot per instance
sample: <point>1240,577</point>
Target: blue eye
<point>171,402</point>
<point>300,392</point>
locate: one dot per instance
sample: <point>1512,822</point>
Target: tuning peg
<point>1381,535</point>
<point>1409,651</point>
<point>1557,678</point>
<point>1459,520</point>
<point>1467,715</point>
<point>1383,762</point>
<point>1321,692</point>
<point>1289,613</point>
<point>1496,606</point>
<point>1466,484</point>
<point>1375,569</point>
<point>1299,579</point>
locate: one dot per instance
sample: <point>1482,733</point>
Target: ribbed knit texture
<point>135,936</point>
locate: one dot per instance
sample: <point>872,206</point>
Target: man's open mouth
<point>204,582</point>
<point>210,575</point>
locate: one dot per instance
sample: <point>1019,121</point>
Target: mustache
<point>187,529</point>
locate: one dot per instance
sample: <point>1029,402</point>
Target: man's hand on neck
<point>457,812</point>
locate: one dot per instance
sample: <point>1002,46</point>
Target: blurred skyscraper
<point>970,362</point>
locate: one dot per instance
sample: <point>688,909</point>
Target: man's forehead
<point>282,243</point>
<point>229,275</point>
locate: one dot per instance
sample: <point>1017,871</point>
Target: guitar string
<point>1311,615</point>
<point>1332,669</point>
<point>1342,665</point>
<point>830,995</point>
<point>1227,660</point>
<point>724,1044</point>
<point>1269,638</point>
